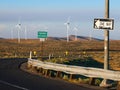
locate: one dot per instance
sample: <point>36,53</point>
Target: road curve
<point>13,78</point>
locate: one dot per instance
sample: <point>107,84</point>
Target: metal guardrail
<point>70,69</point>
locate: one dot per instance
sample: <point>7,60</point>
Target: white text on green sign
<point>42,34</point>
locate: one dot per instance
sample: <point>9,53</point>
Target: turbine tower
<point>19,28</point>
<point>75,29</point>
<point>90,36</point>
<point>68,28</point>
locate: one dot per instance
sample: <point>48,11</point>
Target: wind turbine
<point>90,36</point>
<point>75,29</point>
<point>19,28</point>
<point>68,28</point>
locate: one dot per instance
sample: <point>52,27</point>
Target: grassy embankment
<point>81,53</point>
<point>81,49</point>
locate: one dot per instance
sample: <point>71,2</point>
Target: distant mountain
<point>72,38</point>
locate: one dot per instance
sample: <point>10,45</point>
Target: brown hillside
<point>57,48</point>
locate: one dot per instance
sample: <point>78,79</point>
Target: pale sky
<point>50,15</point>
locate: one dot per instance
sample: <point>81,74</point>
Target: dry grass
<point>95,49</point>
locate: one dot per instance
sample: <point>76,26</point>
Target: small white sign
<point>103,24</point>
<point>42,39</point>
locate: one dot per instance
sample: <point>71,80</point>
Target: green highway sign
<point>42,34</point>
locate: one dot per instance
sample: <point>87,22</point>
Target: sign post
<point>106,38</point>
<point>105,24</point>
<point>106,44</point>
<point>42,35</point>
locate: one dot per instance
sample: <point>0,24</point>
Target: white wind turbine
<point>75,29</point>
<point>18,26</point>
<point>90,36</point>
<point>68,28</point>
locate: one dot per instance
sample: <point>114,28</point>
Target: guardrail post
<point>37,69</point>
<point>49,73</point>
<point>49,56</point>
<point>92,81</point>
<point>40,71</point>
<point>30,54</point>
<point>46,72</point>
<point>71,76</point>
<point>105,83</point>
<point>58,74</point>
<point>43,71</point>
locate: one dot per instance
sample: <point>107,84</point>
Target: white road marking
<point>16,86</point>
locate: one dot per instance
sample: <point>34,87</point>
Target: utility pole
<point>106,38</point>
<point>106,44</point>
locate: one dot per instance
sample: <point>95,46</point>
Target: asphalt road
<point>13,78</point>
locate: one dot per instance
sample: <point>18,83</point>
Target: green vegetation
<point>87,62</point>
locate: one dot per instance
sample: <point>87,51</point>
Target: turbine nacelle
<point>18,26</point>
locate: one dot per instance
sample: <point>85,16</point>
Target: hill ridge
<point>72,38</point>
